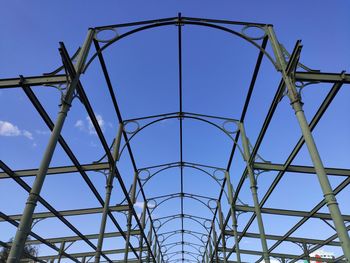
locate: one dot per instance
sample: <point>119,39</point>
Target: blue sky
<point>144,72</point>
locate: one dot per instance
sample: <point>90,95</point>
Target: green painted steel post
<point>27,215</point>
<point>297,105</point>
<point>215,241</point>
<point>233,215</point>
<point>129,220</point>
<point>306,252</point>
<point>63,244</point>
<point>109,188</point>
<point>222,229</point>
<point>254,190</point>
<point>159,255</point>
<point>143,223</point>
<point>210,249</point>
<point>155,249</point>
<point>149,237</point>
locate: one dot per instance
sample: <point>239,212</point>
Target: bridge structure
<point>150,236</point>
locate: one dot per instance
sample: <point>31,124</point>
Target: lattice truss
<point>181,210</point>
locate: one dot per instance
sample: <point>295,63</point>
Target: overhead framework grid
<point>156,198</point>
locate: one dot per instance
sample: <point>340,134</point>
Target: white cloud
<point>79,124</point>
<point>27,134</point>
<point>87,125</point>
<point>42,132</point>
<point>9,129</point>
<point>100,122</point>
<point>139,204</point>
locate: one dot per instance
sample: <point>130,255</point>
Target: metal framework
<point>220,238</point>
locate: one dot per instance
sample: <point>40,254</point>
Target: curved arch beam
<point>178,195</point>
<point>190,217</point>
<point>173,245</point>
<point>187,232</point>
<point>175,117</point>
<point>175,22</point>
<point>175,166</point>
<point>194,255</point>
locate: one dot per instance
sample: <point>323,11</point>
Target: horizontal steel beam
<point>285,212</point>
<point>88,254</point>
<point>58,170</point>
<point>277,255</point>
<point>299,169</point>
<point>75,212</point>
<point>32,81</point>
<point>290,239</point>
<point>322,77</point>
<point>77,238</point>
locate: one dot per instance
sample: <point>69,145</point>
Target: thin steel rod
<point>179,36</point>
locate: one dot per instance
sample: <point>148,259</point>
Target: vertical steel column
<point>215,243</point>
<point>207,255</point>
<point>149,237</point>
<point>27,215</point>
<point>63,244</point>
<point>143,223</point>
<point>233,215</point>
<point>306,252</point>
<point>159,255</point>
<point>222,229</point>
<point>254,190</point>
<point>155,248</point>
<point>210,249</point>
<point>297,105</point>
<point>109,188</point>
<point>129,224</point>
